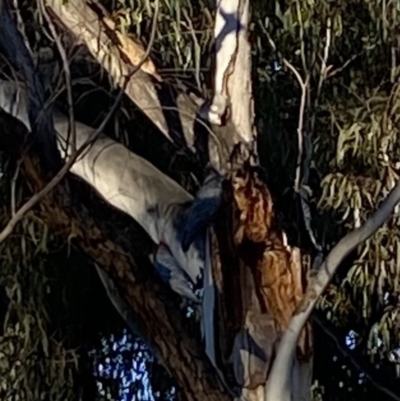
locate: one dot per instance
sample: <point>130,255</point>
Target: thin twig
<point>67,73</point>
<point>303,86</point>
<point>301,184</point>
<point>21,26</point>
<point>302,47</point>
<point>310,132</point>
<point>13,185</point>
<point>300,127</point>
<point>336,71</point>
<point>279,386</point>
<point>64,170</point>
<point>304,146</point>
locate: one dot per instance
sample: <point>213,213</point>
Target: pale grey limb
<point>233,62</point>
<point>279,386</point>
<point>85,26</point>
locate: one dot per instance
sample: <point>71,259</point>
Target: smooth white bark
<point>232,81</point>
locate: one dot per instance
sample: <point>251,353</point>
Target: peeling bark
<point>157,317</point>
<point>265,276</point>
<point>263,316</point>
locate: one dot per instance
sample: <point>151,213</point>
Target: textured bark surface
<point>260,279</point>
<point>265,278</point>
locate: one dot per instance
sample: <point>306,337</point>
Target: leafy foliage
<point>34,361</point>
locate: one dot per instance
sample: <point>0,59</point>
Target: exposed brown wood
<point>262,280</point>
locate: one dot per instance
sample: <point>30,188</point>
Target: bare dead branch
<point>278,388</point>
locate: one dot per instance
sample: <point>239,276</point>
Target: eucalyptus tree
<point>221,250</point>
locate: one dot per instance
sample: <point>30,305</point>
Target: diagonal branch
<point>37,197</point>
<point>278,388</point>
<point>90,138</point>
<point>86,25</point>
<point>156,315</point>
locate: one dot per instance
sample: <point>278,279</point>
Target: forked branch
<point>278,388</point>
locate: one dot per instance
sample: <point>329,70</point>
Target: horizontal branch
<point>278,388</point>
